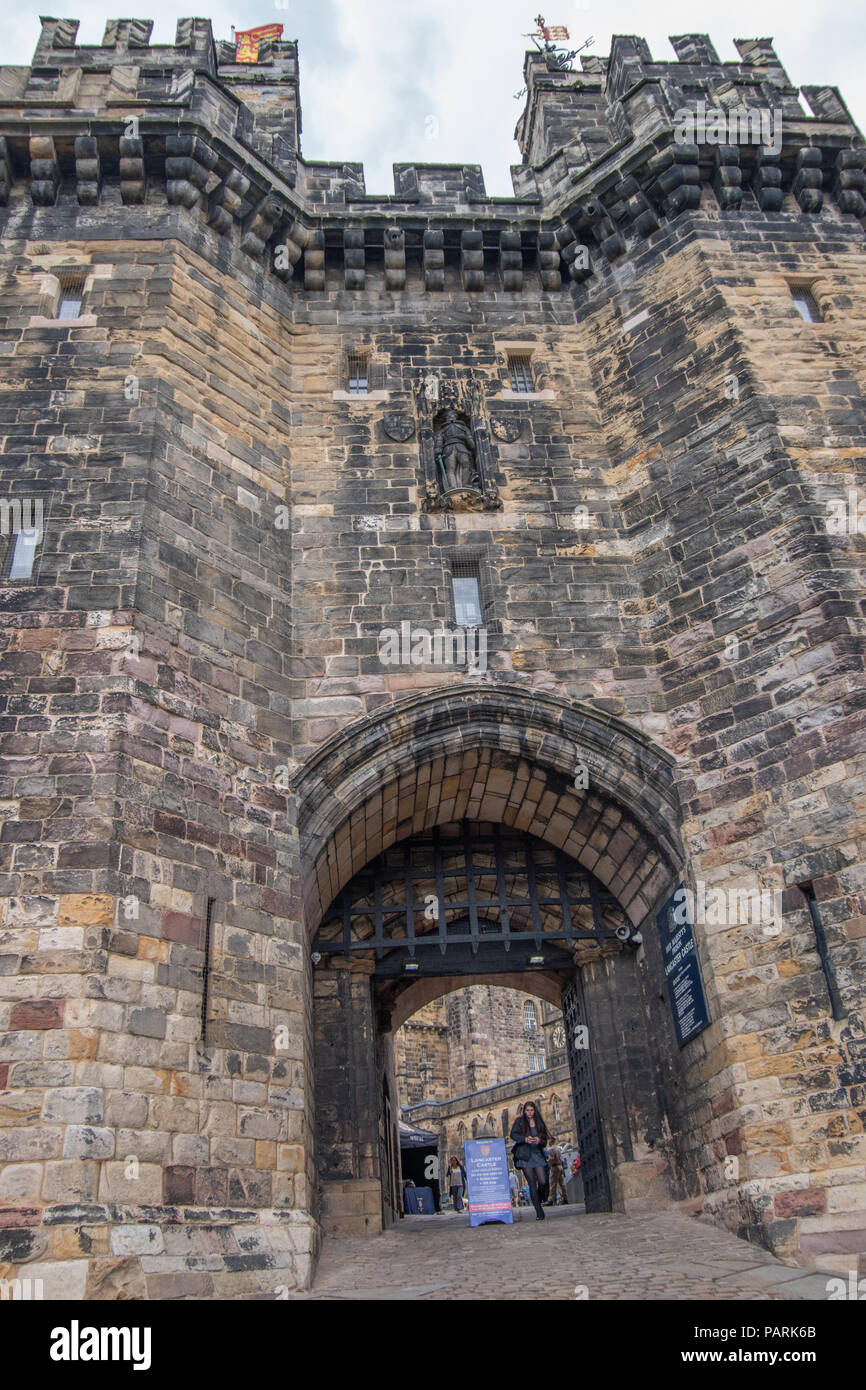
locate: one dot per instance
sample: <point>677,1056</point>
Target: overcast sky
<point>374,72</point>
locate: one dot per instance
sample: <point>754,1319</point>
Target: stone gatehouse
<point>415,592</point>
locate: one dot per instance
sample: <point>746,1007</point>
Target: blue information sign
<point>682,967</point>
<point>487,1186</point>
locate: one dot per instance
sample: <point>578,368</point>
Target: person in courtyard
<point>557,1176</point>
<point>456,1182</point>
<point>514,1184</point>
<point>530,1134</point>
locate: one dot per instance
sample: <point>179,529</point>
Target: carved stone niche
<point>455,445</point>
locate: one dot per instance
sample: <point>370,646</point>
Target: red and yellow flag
<point>247,41</point>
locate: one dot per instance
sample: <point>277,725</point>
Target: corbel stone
<point>289,249</point>
<point>577,260</point>
<point>44,173</point>
<point>5,171</point>
<point>132,176</point>
<point>849,188</point>
<point>767,181</point>
<point>354,268</point>
<point>395,258</point>
<point>676,179</point>
<point>314,262</point>
<point>472,259</point>
<point>637,206</point>
<point>188,162</point>
<point>809,180</point>
<point>593,217</point>
<point>511,260</point>
<point>434,260</point>
<point>728,177</point>
<point>224,204</point>
<point>574,253</point>
<point>88,172</point>
<point>260,226</point>
<point>549,261</point>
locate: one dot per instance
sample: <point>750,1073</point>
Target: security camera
<point>623,933</point>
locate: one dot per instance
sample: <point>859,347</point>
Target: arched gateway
<point>486,834</point>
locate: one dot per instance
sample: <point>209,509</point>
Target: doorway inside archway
<point>466,1064</point>
<point>463,903</point>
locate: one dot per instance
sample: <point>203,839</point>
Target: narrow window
<point>505,1124</point>
<point>520,371</point>
<point>205,970</point>
<point>24,553</point>
<point>71,294</point>
<point>529,1018</point>
<point>357,373</point>
<point>837,1008</point>
<point>556,1114</point>
<point>536,1061</point>
<point>466,593</point>
<point>805,304</point>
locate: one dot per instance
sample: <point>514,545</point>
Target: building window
<point>505,1124</point>
<point>556,1108</point>
<point>71,294</point>
<point>358,373</point>
<point>529,1019</point>
<point>536,1061</point>
<point>423,1056</point>
<point>520,372</point>
<point>24,552</point>
<point>466,593</point>
<point>805,304</point>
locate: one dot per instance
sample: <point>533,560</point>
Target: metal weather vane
<point>550,36</point>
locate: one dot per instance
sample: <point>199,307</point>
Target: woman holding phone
<point>530,1134</point>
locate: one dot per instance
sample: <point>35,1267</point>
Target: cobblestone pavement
<point>660,1256</point>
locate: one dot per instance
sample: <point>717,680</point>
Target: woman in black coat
<point>530,1134</point>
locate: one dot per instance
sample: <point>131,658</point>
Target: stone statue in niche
<point>454,450</point>
<point>454,439</point>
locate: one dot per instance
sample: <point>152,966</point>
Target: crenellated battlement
<point>610,153</point>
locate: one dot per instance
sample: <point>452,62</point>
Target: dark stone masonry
<point>255,420</point>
